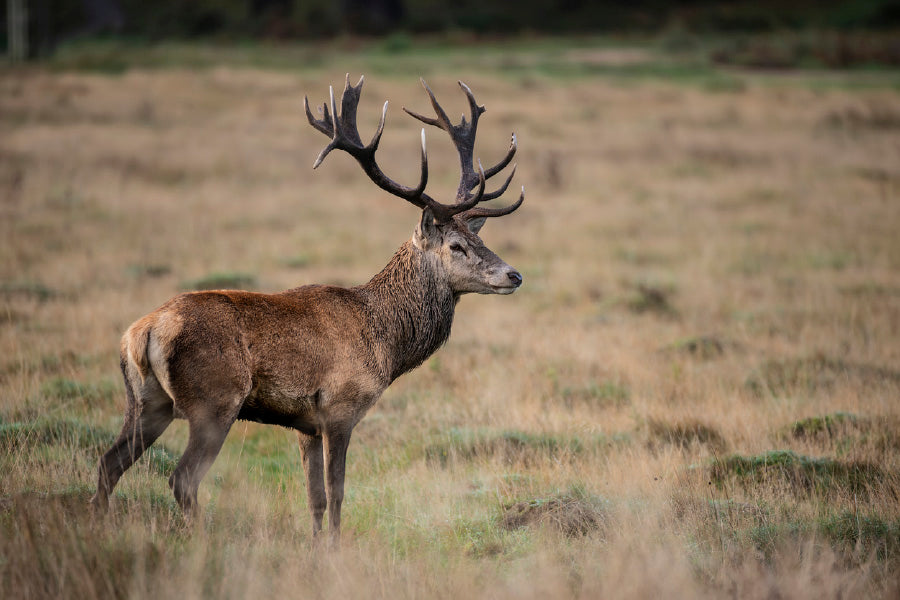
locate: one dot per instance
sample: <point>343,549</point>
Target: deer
<point>314,358</point>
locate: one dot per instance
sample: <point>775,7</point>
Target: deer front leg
<point>336,441</point>
<point>313,467</point>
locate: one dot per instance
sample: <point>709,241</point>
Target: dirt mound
<point>574,514</point>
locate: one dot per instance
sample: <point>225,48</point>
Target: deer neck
<point>412,307</point>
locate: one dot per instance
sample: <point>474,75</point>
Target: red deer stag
<point>317,357</point>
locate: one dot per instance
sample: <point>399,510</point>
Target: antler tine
<point>478,196</point>
<point>323,125</point>
<point>376,139</point>
<point>442,121</point>
<point>476,109</point>
<point>513,146</point>
<point>502,189</point>
<point>480,211</point>
<point>462,135</point>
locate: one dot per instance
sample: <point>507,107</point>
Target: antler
<point>345,136</point>
<point>463,137</point>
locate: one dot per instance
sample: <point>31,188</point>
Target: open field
<point>696,392</point>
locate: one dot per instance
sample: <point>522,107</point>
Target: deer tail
<point>134,344</point>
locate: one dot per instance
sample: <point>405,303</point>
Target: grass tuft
<point>846,433</point>
<point>72,434</point>
<point>685,435</point>
<point>573,513</point>
<point>856,537</point>
<point>818,372</point>
<point>831,425</point>
<point>465,445</point>
<point>862,534</point>
<point>802,474</point>
<point>62,388</point>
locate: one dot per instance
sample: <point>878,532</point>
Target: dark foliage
<point>55,21</point>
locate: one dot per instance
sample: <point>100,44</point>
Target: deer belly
<point>279,408</point>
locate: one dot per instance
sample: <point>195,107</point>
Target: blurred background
<point>37,27</point>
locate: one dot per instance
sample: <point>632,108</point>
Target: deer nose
<point>515,277</point>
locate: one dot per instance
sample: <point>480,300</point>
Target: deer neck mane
<point>411,309</point>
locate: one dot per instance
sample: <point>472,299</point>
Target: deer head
<point>447,233</point>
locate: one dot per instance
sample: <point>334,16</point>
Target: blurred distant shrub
<point>791,50</point>
<point>220,281</point>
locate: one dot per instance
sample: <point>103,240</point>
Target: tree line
<point>51,22</point>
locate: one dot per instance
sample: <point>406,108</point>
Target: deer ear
<point>475,224</point>
<point>427,234</point>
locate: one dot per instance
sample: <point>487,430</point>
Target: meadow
<point>695,393</point>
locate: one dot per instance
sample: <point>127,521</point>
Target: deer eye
<point>457,247</point>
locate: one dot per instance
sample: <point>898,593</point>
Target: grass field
<point>696,392</point>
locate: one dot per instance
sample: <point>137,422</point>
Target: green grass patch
<point>71,434</point>
<point>66,432</point>
<point>830,425</point>
<point>857,537</point>
<point>846,432</point>
<point>270,456</point>
<point>863,534</point>
<point>803,474</point>
<point>527,59</point>
<point>462,445</point>
<point>62,388</point>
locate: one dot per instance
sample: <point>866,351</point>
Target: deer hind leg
<point>336,441</point>
<point>313,467</point>
<point>209,394</point>
<point>206,434</point>
<point>147,414</point>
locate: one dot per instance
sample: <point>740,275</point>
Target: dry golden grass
<point>703,269</point>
